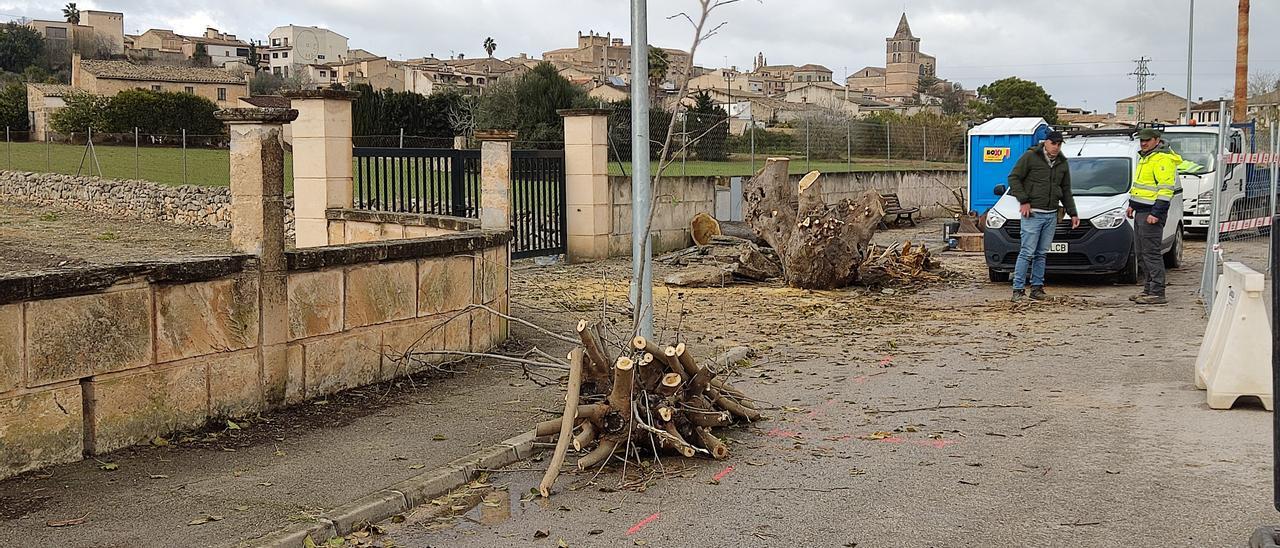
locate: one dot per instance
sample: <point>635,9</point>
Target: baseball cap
<point>1148,133</point>
<point>1054,136</point>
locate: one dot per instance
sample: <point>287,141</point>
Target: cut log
<point>820,246</point>
<point>676,441</point>
<point>701,276</point>
<point>585,437</point>
<point>566,423</point>
<point>712,443</point>
<point>740,229</point>
<point>601,453</point>
<point>670,383</point>
<point>623,382</point>
<point>703,227</point>
<point>599,363</point>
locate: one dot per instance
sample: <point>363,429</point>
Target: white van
<point>1199,145</point>
<point>1103,163</point>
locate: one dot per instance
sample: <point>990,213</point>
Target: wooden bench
<point>893,206</point>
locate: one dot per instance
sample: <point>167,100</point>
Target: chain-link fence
<point>1244,203</point>
<point>163,158</point>
<point>716,144</point>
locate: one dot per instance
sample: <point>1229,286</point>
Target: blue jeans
<point>1037,236</point>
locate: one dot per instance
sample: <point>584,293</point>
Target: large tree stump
<point>821,246</point>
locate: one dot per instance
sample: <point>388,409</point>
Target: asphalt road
<point>946,417</point>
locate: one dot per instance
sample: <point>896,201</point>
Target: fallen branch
<point>566,423</point>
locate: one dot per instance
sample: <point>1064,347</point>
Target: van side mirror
<point>1235,146</point>
<point>1000,190</point>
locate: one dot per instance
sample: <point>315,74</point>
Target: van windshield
<point>1100,176</point>
<point>1196,148</point>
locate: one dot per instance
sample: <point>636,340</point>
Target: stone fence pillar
<point>495,179</point>
<point>321,160</point>
<point>257,227</point>
<point>586,167</point>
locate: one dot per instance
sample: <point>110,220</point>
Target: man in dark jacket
<point>1041,181</point>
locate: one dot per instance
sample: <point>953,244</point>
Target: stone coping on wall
<point>434,246</point>
<point>321,94</point>
<point>62,282</point>
<point>445,222</point>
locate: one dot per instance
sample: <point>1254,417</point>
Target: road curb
<point>397,498</point>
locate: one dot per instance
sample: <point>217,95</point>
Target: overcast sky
<point>1079,50</point>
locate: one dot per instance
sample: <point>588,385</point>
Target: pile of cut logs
<point>649,398</point>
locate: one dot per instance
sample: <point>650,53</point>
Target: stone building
<point>104,27</point>
<point>102,77</point>
<point>167,46</point>
<point>779,79</point>
<point>291,48</point>
<point>605,56</point>
<point>1151,106</point>
<point>42,100</point>
<point>425,74</point>
<point>905,65</point>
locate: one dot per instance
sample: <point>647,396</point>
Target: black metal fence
<point>418,180</point>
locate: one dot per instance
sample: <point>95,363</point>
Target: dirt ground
<point>39,238</point>
<point>935,416</point>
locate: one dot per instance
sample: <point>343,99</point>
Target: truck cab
<point>1102,166</point>
<point>1198,146</point>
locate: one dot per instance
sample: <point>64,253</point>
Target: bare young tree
<point>701,32</point>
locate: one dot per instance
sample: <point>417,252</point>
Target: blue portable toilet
<point>994,147</point>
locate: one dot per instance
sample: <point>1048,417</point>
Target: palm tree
<point>72,13</point>
<point>658,65</point>
<point>490,45</point>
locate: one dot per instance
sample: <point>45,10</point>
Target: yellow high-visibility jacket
<point>1155,180</point>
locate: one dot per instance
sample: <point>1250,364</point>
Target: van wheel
<point>1173,258</point>
<point>997,276</point>
<point>1129,275</point>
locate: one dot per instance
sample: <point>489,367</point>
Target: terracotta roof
<point>125,70</point>
<point>268,101</point>
<point>52,90</point>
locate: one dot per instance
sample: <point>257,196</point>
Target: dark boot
<point>1019,295</point>
<point>1152,299</point>
<point>1037,293</point>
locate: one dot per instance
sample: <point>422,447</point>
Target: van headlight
<point>1110,219</point>
<point>995,219</point>
<point>1204,203</point>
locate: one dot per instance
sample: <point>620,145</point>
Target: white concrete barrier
<point>1211,345</point>
<point>1235,355</point>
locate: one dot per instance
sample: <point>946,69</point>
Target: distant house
<point>291,48</point>
<point>610,92</point>
<point>42,101</point>
<point>425,74</point>
<point>378,72</point>
<point>102,77</point>
<point>1151,106</point>
<point>104,27</point>
<point>1206,112</point>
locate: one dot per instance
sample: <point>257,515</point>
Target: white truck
<point>1198,145</point>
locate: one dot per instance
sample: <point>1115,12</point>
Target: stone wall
<point>352,226</point>
<point>185,205</point>
<point>99,358</point>
<point>680,198</point>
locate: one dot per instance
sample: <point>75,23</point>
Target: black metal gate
<point>447,182</point>
<point>538,209</point>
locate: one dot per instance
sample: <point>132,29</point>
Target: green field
<point>798,165</point>
<point>210,167</point>
<point>205,167</point>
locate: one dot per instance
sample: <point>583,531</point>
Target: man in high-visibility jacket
<point>1150,195</point>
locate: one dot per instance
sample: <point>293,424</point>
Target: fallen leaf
<point>279,453</point>
<point>67,522</point>
<point>308,542</point>
<point>399,457</point>
<point>265,484</point>
<point>439,437</point>
<point>158,476</point>
<point>231,425</point>
<point>542,533</point>
<point>109,466</point>
<point>880,435</point>
<point>562,544</point>
<point>204,519</point>
<point>398,518</point>
<point>596,532</point>
<point>159,442</point>
<point>417,467</point>
<point>242,508</point>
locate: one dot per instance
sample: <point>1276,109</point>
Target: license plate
<point>1058,247</point>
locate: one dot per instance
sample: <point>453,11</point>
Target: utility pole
<point>641,194</point>
<point>1240,109</point>
<point>1191,30</point>
<point>1141,73</point>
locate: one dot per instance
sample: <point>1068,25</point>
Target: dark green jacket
<point>1033,182</point>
